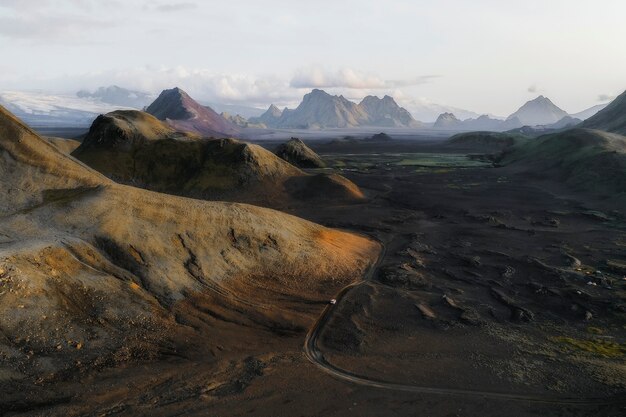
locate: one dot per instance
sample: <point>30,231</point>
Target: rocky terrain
<point>94,274</point>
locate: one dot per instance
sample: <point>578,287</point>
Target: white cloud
<point>67,20</point>
<point>533,88</point>
<point>605,97</point>
<point>175,7</point>
<point>316,77</point>
<point>201,84</point>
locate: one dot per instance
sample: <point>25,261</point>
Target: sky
<point>488,56</point>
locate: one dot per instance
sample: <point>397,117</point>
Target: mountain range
<point>448,121</point>
<point>320,110</point>
<point>535,116</point>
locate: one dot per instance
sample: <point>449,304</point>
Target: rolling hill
<point>585,159</point>
<point>485,141</point>
<point>95,274</point>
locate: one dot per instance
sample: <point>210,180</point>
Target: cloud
<point>315,77</point>
<point>175,7</point>
<point>202,84</point>
<point>605,97</point>
<point>52,21</point>
<point>533,88</point>
<point>50,28</point>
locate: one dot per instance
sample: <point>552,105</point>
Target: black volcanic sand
<point>489,283</point>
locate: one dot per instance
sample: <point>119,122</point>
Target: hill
<point>297,153</point>
<point>610,119</point>
<point>269,118</point>
<point>540,111</point>
<point>588,160</point>
<point>565,123</point>
<point>148,154</point>
<point>95,274</point>
<point>183,113</point>
<point>587,113</point>
<point>485,141</point>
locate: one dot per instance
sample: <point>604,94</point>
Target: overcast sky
<point>488,56</point>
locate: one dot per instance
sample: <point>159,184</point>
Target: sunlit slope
<point>92,271</point>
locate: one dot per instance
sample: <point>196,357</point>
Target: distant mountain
<point>484,123</point>
<point>320,110</point>
<point>118,96</point>
<point>447,121</point>
<point>269,118</point>
<point>565,123</point>
<point>427,111</point>
<point>244,111</point>
<point>240,121</point>
<point>587,113</point>
<point>185,114</point>
<point>386,112</point>
<point>610,119</point>
<point>540,111</point>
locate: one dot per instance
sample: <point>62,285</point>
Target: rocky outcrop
<point>297,153</point>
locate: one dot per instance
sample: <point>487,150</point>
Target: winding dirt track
<point>314,355</point>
